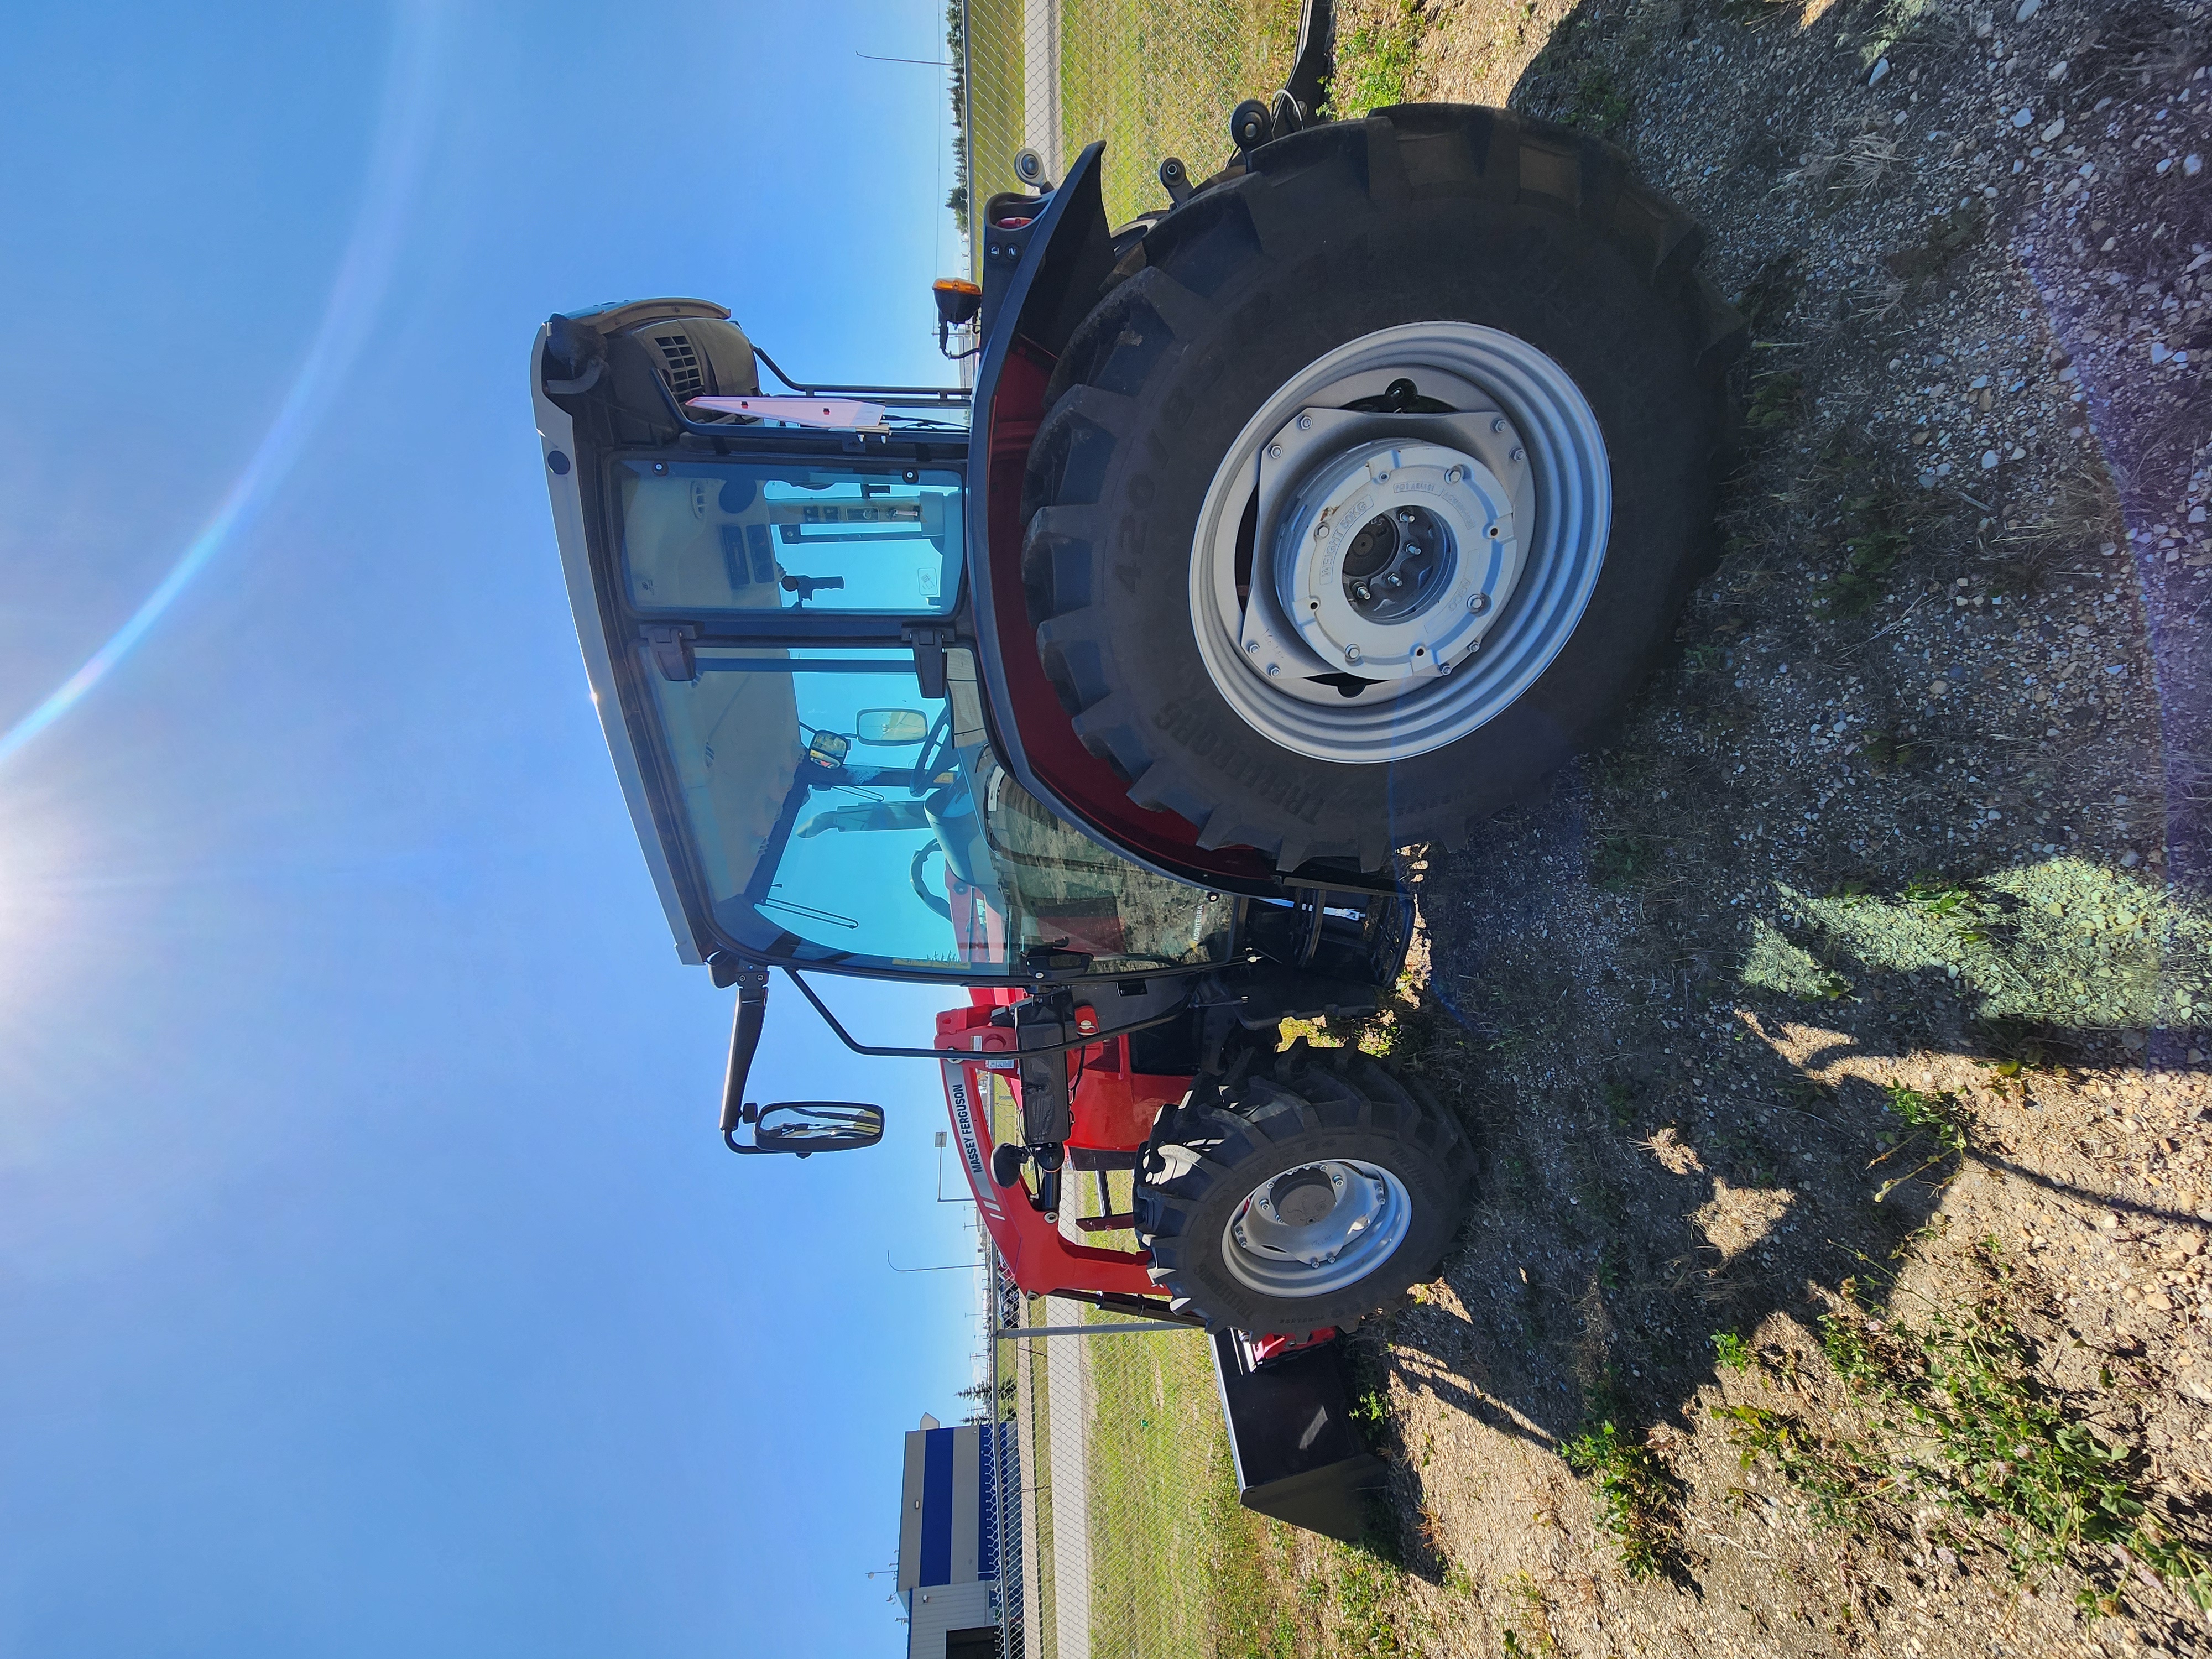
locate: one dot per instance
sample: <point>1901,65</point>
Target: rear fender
<point>1041,279</point>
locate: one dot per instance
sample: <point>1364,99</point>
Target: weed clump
<point>1600,105</point>
<point>1375,63</point>
<point>1957,1417</point>
<point>1638,1498</point>
<point>1943,239</point>
<point>1774,400</point>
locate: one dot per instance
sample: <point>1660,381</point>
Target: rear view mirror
<point>808,1127</point>
<point>890,728</point>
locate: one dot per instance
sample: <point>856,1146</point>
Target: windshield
<point>836,812</point>
<point>708,535</point>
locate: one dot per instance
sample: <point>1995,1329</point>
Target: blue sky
<point>371,1278</point>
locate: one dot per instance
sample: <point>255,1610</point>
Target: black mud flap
<point>1290,1430</point>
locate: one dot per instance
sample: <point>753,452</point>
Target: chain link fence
<point>1111,1507</point>
<point>1153,78</point>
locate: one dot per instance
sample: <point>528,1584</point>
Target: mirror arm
<point>940,1054</point>
<point>744,1038</point>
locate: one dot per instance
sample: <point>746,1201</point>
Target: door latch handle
<point>670,643</point>
<point>929,640</point>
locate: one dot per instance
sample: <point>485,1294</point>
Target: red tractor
<point>1324,510</point>
<point>1277,1218</point>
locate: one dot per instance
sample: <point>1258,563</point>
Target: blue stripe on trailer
<point>987,1561</point>
<point>967,1505</point>
<point>937,1508</point>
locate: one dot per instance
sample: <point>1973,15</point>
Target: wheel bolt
<point>1361,592</point>
<point>1478,603</point>
<point>1352,653</point>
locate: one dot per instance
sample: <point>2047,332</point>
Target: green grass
<point>1638,1498</point>
<point>1600,105</point>
<point>1156,78</point>
<point>994,98</point>
<point>1957,1418</point>
<point>1152,78</point>
<point>1178,1567</point>
<point>1155,1451</point>
<point>2078,946</point>
<point>1376,59</point>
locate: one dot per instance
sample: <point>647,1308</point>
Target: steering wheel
<point>936,902</point>
<point>936,750</point>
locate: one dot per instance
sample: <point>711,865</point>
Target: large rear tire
<point>1311,1196</point>
<point>1569,365</point>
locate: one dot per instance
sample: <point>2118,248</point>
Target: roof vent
<point>685,377</point>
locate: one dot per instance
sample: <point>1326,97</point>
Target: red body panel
<point>1113,1111</point>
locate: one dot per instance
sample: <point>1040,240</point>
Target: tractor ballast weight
<point>1326,510</point>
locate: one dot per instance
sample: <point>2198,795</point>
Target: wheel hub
<point>1428,509</point>
<point>1317,1228</point>
<point>1393,557</point>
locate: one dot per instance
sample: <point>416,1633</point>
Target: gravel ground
<point>1867,976</point>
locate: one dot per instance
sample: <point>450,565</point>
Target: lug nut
<point>1498,425</point>
<point>1305,422</point>
<point>1454,475</point>
<point>1251,644</point>
<point>1274,668</point>
<point>1275,452</point>
<point>1478,603</point>
<point>1519,454</point>
<point>1351,654</point>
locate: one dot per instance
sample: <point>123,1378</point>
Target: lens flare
<point>403,127</point>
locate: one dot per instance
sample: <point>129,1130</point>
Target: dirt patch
<point>1836,1038</point>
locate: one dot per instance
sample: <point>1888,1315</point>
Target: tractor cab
<point>770,594</point>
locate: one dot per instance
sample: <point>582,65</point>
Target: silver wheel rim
<point>1294,1236</point>
<point>1528,516</point>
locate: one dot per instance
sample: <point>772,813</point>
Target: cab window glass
<point>836,812</point>
<point>708,535</point>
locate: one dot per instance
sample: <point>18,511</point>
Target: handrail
<point>726,429</point>
<point>919,396</point>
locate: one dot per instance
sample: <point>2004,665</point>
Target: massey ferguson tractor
<point>1325,510</point>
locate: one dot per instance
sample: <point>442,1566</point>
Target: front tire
<point>1312,1195</point>
<point>1517,261</point>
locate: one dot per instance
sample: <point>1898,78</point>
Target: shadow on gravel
<point>1673,1152</point>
